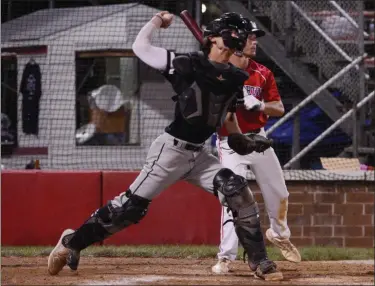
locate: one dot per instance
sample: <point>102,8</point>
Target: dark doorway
<point>9,97</point>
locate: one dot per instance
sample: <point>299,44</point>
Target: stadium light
<point>204,8</point>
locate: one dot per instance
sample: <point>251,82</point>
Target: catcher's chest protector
<point>208,92</point>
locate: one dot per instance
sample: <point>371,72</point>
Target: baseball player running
<point>206,85</point>
<point>261,99</point>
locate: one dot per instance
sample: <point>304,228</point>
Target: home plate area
<point>168,271</point>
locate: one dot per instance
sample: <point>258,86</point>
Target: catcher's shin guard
<point>106,221</point>
<point>245,211</point>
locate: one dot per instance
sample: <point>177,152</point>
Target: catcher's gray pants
<point>168,161</point>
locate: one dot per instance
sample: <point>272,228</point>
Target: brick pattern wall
<point>328,213</point>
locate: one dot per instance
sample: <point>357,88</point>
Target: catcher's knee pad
<point>108,220</point>
<point>234,188</point>
<point>114,218</point>
<point>245,211</point>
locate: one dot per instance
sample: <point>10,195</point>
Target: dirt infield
<point>168,271</point>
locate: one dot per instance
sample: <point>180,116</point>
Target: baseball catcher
<point>206,87</point>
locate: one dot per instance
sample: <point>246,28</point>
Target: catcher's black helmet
<point>223,27</point>
<point>227,21</point>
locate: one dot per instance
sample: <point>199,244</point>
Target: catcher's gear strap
<point>131,212</point>
<point>106,221</point>
<point>245,211</point>
<point>245,145</point>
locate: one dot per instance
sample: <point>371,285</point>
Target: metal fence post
<point>288,25</point>
<point>9,10</point>
<point>362,82</point>
<point>355,129</point>
<point>51,4</point>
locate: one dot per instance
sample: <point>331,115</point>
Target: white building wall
<point>58,123</point>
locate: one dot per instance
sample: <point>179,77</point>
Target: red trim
<point>370,62</point>
<point>8,56</point>
<point>31,151</point>
<point>29,50</point>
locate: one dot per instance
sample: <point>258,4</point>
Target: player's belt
<point>187,146</point>
<point>255,131</point>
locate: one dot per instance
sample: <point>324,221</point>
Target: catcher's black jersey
<point>205,93</point>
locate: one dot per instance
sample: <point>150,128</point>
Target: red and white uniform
<point>262,85</point>
<point>265,166</point>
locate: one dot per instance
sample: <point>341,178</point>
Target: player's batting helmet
<point>251,28</point>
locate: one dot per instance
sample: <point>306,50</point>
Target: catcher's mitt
<point>245,145</point>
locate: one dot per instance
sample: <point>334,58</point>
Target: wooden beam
<point>26,50</point>
<point>105,53</point>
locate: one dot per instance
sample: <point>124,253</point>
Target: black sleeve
<point>168,73</point>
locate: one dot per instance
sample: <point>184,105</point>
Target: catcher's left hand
<point>245,145</point>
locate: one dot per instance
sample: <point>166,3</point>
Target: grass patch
<point>311,253</point>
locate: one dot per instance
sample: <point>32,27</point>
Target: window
<point>107,98</point>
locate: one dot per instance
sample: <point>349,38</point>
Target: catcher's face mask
<point>234,39</point>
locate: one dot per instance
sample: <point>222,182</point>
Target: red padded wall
<point>36,206</point>
<point>182,214</point>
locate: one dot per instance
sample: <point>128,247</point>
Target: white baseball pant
<point>269,177</point>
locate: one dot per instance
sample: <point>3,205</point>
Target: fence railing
<point>326,39</point>
<point>330,129</point>
<point>309,98</point>
<point>330,35</point>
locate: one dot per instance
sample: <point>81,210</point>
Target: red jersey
<point>261,84</point>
